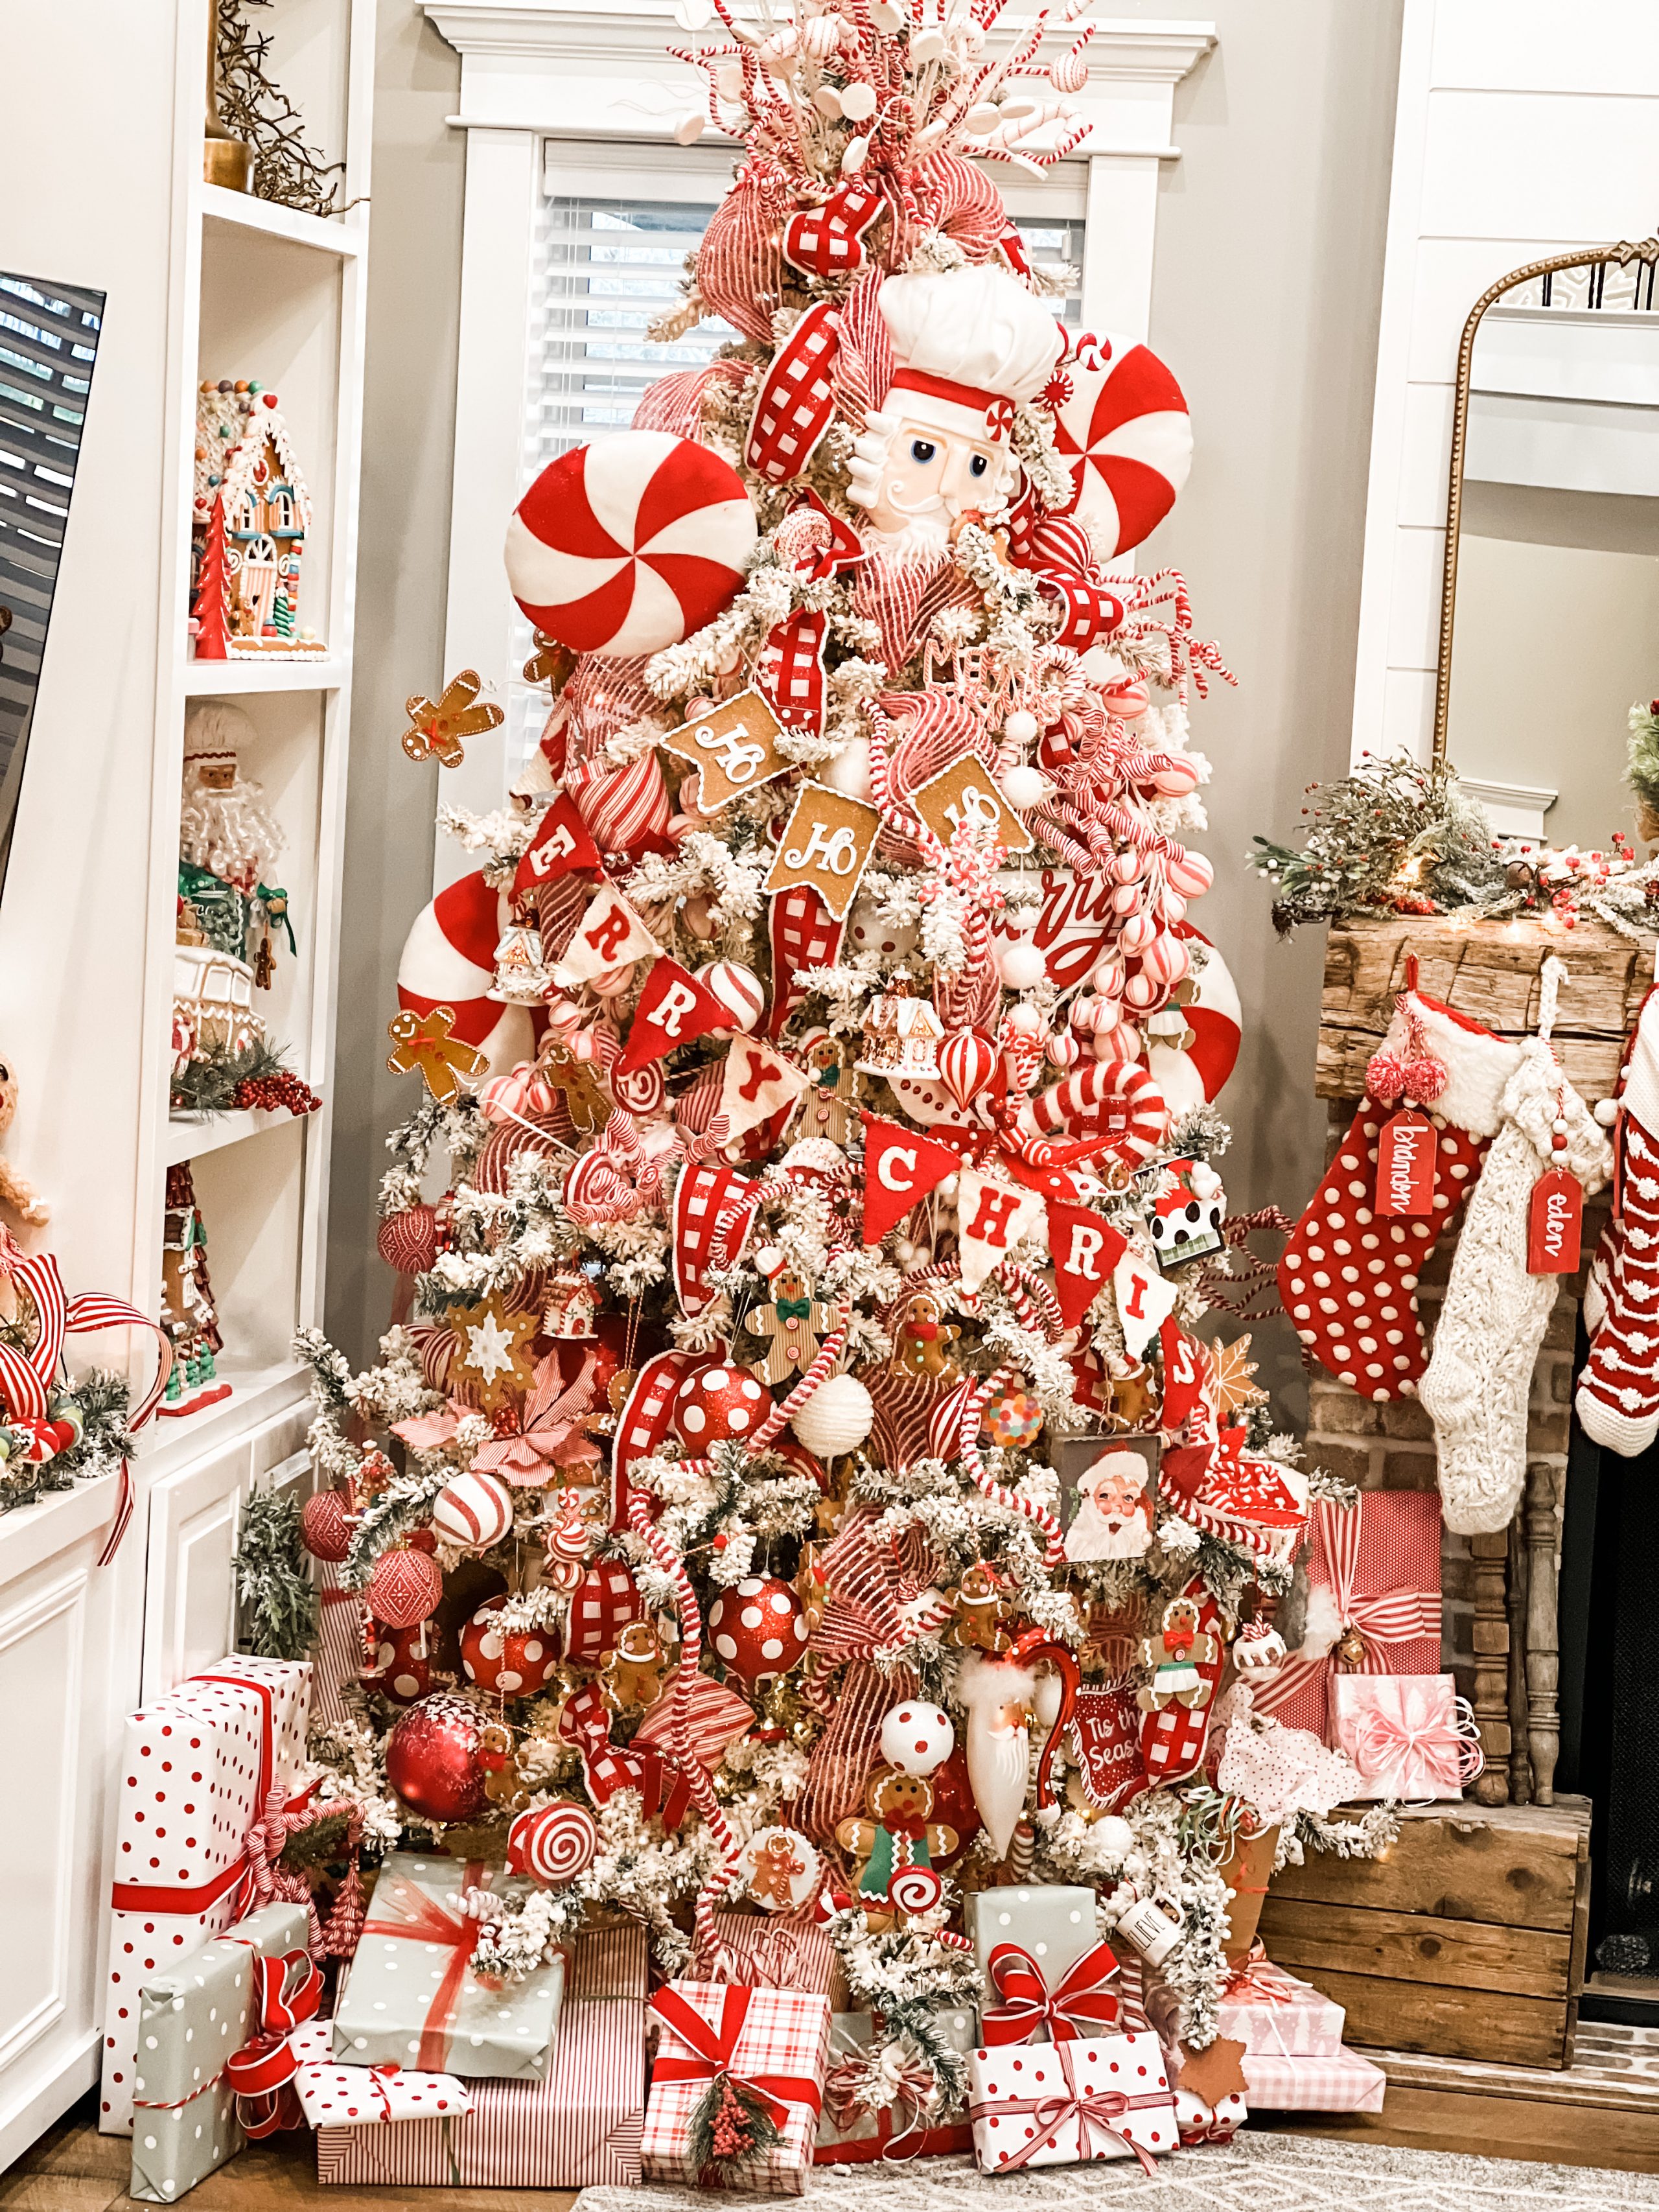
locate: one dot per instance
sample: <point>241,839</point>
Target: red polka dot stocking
<point>1349,1275</point>
<point>1618,1394</point>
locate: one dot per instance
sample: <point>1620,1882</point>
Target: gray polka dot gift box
<point>1054,1924</point>
<point>411,1999</point>
<point>192,2020</point>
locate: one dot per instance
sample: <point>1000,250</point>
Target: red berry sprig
<point>275,1092</point>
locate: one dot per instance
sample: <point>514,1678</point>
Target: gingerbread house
<point>249,521</point>
<point>902,1033</point>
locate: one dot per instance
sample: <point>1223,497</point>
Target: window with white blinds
<point>604,269</point>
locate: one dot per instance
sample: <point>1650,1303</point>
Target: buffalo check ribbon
<point>1076,2009</point>
<point>1096,2112</point>
<point>714,2050</point>
<point>418,1919</point>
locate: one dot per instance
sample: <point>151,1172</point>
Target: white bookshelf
<point>200,283</point>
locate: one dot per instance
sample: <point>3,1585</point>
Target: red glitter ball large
<point>759,1628</point>
<point>717,1403</point>
<point>432,1758</point>
<point>409,1241</point>
<point>404,1588</point>
<point>326,1525</point>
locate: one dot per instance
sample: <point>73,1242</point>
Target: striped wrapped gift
<point>578,2129</point>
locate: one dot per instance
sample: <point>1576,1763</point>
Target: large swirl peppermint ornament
<point>553,1843</point>
<point>1116,1098</point>
<point>642,1091</point>
<point>915,1889</point>
<point>1125,437</point>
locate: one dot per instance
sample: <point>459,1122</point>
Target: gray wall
<point>409,429</point>
<point>1269,274</point>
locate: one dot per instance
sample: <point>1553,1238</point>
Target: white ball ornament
<point>768,1259</point>
<point>857,101</point>
<point>849,771</point>
<point>1020,727</point>
<point>916,1737</point>
<point>473,1510</point>
<point>1025,1021</point>
<point>835,1418</point>
<point>1022,787</point>
<point>1021,966</point>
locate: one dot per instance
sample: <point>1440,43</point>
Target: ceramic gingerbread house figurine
<point>249,521</point>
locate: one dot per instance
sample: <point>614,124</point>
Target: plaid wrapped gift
<point>1411,1735</point>
<point>766,1954</point>
<point>332,2095</point>
<point>1068,2103</point>
<point>1344,2083</point>
<point>410,1998</point>
<point>771,2043</point>
<point>197,1768</point>
<point>192,2019</point>
<point>1375,1567</point>
<point>851,2132</point>
<point>578,2129</point>
<point>1273,2014</point>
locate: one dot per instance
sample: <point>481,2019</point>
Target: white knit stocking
<point>1492,1322</point>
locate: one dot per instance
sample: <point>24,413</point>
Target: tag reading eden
<point>1553,1225</point>
<point>1405,1165</point>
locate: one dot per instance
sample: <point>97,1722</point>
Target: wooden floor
<point>1605,2112</point>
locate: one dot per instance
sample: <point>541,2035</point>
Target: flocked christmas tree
<point>829,1190</point>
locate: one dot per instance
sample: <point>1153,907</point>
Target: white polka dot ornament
<point>759,1628</point>
<point>716,1405</point>
<point>473,1510</point>
<point>513,1662</point>
<point>917,1738</point>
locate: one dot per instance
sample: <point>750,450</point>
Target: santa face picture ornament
<point>1114,1517</point>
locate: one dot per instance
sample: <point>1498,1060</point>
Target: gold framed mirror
<point>1549,618</point>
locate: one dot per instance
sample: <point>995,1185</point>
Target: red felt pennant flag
<point>673,1008</point>
<point>561,844</point>
<point>900,1167</point>
<point>1085,1248</point>
<point>1185,1372</point>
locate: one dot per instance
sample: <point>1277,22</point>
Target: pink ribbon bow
<point>550,1433</point>
<point>914,2086</point>
<point>1078,2008</point>
<point>1097,2112</point>
<point>1416,1741</point>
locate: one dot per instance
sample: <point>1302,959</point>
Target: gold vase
<point>225,159</point>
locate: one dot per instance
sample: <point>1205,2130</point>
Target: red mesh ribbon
<point>418,1919</point>
<point>715,2051</point>
<point>1076,2009</point>
<point>1096,2110</point>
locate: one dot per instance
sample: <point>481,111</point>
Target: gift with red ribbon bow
<point>1064,2104</point>
<point>743,2050</point>
<point>409,1996</point>
<point>335,2096</point>
<point>1078,2007</point>
<point>198,1770</point>
<point>204,2033</point>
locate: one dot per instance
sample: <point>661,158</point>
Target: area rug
<point>1253,2174</point>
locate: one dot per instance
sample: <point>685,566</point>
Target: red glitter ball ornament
<point>718,1403</point>
<point>408,1241</point>
<point>953,1803</point>
<point>326,1525</point>
<point>405,1589</point>
<point>432,1758</point>
<point>516,1662</point>
<point>759,1628</point>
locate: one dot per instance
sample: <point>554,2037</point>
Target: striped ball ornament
<point>738,990</point>
<point>474,1511</point>
<point>408,1241</point>
<point>513,1662</point>
<point>405,1589</point>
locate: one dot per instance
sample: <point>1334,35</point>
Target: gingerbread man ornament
<point>829,1109</point>
<point>795,1321</point>
<point>923,1346</point>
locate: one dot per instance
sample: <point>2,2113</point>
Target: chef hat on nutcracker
<point>968,344</point>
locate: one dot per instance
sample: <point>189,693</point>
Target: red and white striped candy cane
<point>967,1447</point>
<point>822,1369</point>
<point>1115,1099</point>
<point>1036,1308</point>
<point>696,1774</point>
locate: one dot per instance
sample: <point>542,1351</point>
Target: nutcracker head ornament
<point>968,346</point>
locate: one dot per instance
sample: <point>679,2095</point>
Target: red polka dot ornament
<point>759,1628</point>
<point>515,1662</point>
<point>401,1669</point>
<point>917,1737</point>
<point>718,1404</point>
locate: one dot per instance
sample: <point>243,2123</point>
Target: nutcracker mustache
<point>997,1696</point>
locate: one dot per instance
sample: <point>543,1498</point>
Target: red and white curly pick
<point>629,545</point>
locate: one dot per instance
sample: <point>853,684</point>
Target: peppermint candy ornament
<point>448,959</point>
<point>1125,435</point>
<point>473,1510</point>
<point>513,1662</point>
<point>738,990</point>
<point>629,545</point>
<point>553,1843</point>
<point>759,1628</point>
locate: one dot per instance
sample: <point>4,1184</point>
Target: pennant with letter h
<point>992,1218</point>
<point>900,1167</point>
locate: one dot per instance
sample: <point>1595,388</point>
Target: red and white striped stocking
<point>1348,1277</point>
<point>1618,1394</point>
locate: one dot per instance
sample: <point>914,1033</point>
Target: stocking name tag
<point>1405,1165</point>
<point>1552,1228</point>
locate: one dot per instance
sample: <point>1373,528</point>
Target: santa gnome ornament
<point>1618,1396</point>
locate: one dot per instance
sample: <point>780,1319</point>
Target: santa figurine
<point>969,345</point>
<point>997,1696</point>
<point>225,826</point>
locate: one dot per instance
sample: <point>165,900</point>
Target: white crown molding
<point>589,69</point>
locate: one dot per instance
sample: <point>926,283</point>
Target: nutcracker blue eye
<point>978,465</point>
<point>922,450</point>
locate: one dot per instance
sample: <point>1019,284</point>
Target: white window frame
<point>580,98</point>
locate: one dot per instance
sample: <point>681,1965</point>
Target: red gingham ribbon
<point>1096,2110</point>
<point>714,2048</point>
<point>421,1919</point>
<point>1077,2007</point>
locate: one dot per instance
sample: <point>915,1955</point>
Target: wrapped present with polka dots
<point>411,1995</point>
<point>335,2096</point>
<point>1046,1930</point>
<point>1071,2104</point>
<point>193,2019</point>
<point>198,1770</point>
